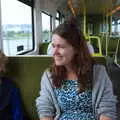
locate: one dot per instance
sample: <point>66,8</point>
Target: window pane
<point>113,28</point>
<point>45,27</point>
<point>118,21</point>
<point>102,28</point>
<point>63,19</point>
<point>119,29</point>
<point>16,27</point>
<point>57,15</point>
<point>56,23</point>
<point>113,22</point>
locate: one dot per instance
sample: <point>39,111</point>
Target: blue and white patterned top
<point>74,105</point>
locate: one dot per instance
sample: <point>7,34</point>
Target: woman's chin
<point>58,64</point>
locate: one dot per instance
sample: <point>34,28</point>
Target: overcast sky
<point>14,12</point>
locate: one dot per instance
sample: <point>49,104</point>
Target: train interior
<point>100,23</point>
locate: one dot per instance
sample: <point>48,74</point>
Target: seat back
<point>26,73</point>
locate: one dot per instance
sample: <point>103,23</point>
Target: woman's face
<point>63,52</point>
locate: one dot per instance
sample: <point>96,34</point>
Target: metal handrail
<point>116,52</point>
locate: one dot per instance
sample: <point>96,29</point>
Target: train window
<point>113,27</point>
<point>119,26</point>
<point>103,28</point>
<point>113,22</point>
<point>46,27</point>
<point>57,15</point>
<point>62,19</point>
<point>116,27</point>
<point>56,23</point>
<point>57,20</point>
<point>16,27</point>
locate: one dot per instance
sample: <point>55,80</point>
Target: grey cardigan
<point>103,100</point>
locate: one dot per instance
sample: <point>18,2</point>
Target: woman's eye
<point>62,46</point>
<point>53,46</point>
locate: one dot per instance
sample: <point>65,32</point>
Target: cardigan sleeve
<point>107,105</point>
<point>44,103</point>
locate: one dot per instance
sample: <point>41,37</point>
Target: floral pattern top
<point>74,105</point>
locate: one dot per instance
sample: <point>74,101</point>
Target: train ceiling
<point>91,7</point>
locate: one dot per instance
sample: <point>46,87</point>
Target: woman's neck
<point>71,75</point>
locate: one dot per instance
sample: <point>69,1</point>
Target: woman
<point>74,88</point>
<point>10,102</point>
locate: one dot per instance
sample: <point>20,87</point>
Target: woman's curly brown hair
<point>82,61</point>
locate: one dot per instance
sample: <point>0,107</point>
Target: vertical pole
<point>110,24</point>
<point>1,42</point>
<point>107,35</point>
<point>84,22</point>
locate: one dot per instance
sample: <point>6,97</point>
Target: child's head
<point>3,62</point>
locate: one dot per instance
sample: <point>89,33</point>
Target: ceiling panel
<point>90,6</point>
